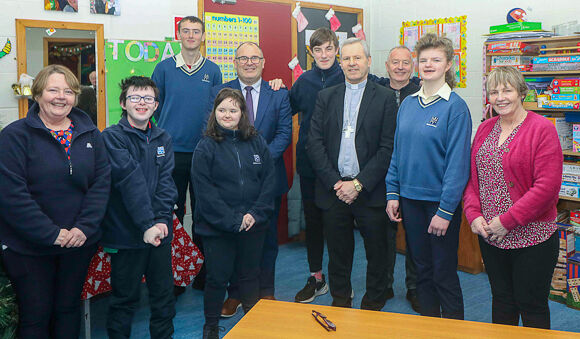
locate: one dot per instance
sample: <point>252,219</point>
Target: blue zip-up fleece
<point>41,191</point>
<point>432,152</point>
<point>231,178</point>
<point>142,191</point>
<point>303,96</point>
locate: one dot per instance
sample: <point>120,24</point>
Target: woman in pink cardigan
<point>510,202</point>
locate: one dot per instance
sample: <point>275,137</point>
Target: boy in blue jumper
<point>184,83</point>
<point>137,229</point>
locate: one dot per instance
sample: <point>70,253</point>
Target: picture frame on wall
<point>108,7</point>
<point>71,6</point>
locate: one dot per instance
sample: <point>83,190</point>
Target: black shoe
<point>412,297</point>
<point>312,290</point>
<point>390,294</point>
<point>212,332</point>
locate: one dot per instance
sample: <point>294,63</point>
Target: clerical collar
<point>360,85</point>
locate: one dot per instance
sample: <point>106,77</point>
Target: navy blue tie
<point>250,104</point>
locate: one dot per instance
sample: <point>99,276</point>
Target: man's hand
<point>153,236</point>
<point>496,230</point>
<point>163,228</point>
<point>393,211</point>
<point>247,222</point>
<point>438,226</point>
<point>75,238</point>
<point>276,84</point>
<point>478,227</point>
<point>347,192</point>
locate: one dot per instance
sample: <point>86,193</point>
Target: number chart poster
<point>223,34</point>
<point>452,28</point>
<point>125,58</point>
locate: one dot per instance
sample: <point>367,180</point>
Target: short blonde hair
<point>506,75</point>
<point>41,80</point>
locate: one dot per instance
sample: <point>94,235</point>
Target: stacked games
<point>558,287</point>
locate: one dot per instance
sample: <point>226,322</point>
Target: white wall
<point>152,19</point>
<point>139,20</point>
<point>387,16</point>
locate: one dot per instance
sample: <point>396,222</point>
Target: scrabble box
<point>573,282</point>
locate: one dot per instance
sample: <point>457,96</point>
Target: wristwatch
<point>357,185</point>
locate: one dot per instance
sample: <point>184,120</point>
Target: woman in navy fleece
<point>428,172</point>
<point>55,181</point>
<point>233,172</point>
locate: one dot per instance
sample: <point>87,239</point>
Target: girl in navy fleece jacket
<point>233,175</point>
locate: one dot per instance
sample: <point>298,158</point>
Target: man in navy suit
<point>269,111</point>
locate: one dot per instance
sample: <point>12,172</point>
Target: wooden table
<point>279,319</point>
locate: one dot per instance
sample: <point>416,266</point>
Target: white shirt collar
<point>443,92</point>
<point>360,85</point>
<point>256,86</point>
<point>179,62</point>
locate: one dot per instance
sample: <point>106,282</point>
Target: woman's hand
<point>478,227</point>
<point>438,226</point>
<point>393,211</point>
<point>62,236</point>
<point>496,230</point>
<point>74,238</point>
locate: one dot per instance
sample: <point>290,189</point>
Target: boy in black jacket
<point>138,224</point>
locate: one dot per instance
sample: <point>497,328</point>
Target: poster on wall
<point>131,57</point>
<point>71,6</point>
<point>452,28</point>
<point>109,7</point>
<point>223,34</point>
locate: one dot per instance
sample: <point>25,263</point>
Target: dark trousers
<point>314,229</point>
<point>225,256</point>
<point>410,270</point>
<point>127,270</point>
<point>438,288</point>
<point>48,291</point>
<point>268,261</point>
<point>182,178</point>
<point>339,233</point>
<point>520,282</point>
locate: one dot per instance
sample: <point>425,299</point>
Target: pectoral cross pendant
<point>347,131</point>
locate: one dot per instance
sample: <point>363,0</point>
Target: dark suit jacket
<point>375,131</point>
<point>273,121</point>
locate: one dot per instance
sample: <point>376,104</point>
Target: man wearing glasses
<point>184,83</point>
<point>269,112</point>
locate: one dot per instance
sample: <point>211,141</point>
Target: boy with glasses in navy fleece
<point>137,229</point>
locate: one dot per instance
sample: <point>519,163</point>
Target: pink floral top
<point>495,197</point>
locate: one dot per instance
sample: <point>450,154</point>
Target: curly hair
<point>432,41</point>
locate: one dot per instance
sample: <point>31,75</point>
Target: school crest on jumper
<point>205,78</point>
<point>257,160</point>
<point>160,151</point>
<point>433,122</point>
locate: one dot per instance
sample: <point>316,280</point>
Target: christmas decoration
<point>334,22</point>
<point>300,18</point>
<point>358,32</point>
<point>296,68</point>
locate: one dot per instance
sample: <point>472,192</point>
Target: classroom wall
<point>152,19</point>
<point>139,20</point>
<point>386,19</point>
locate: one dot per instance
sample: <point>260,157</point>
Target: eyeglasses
<point>323,321</point>
<point>137,98</point>
<point>244,59</point>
